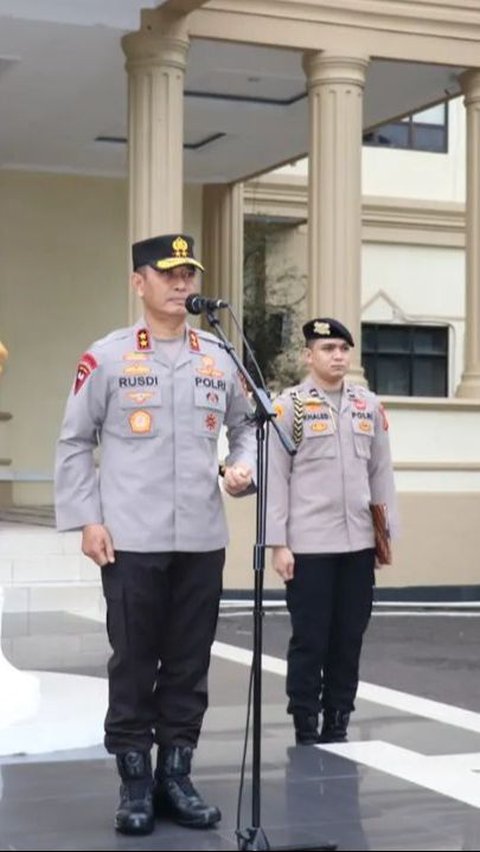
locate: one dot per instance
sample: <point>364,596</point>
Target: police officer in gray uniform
<point>154,397</point>
<point>320,528</point>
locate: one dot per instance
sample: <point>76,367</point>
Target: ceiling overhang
<point>63,86</point>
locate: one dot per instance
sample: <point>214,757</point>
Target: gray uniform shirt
<point>318,501</point>
<point>157,424</point>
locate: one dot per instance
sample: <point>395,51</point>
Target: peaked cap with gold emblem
<point>325,328</point>
<point>165,252</point>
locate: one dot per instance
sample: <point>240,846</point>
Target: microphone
<point>197,304</point>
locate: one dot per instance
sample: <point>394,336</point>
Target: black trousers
<point>162,611</point>
<point>330,602</point>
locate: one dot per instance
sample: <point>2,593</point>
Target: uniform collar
<point>312,389</point>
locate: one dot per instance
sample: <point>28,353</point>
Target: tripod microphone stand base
<point>255,838</point>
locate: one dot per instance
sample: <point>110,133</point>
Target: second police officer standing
<point>154,396</point>
<point>320,528</point>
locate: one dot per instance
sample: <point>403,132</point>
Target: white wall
<point>417,284</point>
<point>64,283</point>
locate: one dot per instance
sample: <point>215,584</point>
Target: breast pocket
<point>209,411</point>
<point>319,440</point>
<point>140,413</point>
<point>363,431</point>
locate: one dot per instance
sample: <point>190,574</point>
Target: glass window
<point>406,360</point>
<point>422,131</point>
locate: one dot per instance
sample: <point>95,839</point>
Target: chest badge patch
<point>208,368</point>
<point>137,370</point>
<point>319,426</point>
<point>140,397</point>
<point>140,422</point>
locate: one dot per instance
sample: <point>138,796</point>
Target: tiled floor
<point>408,779</point>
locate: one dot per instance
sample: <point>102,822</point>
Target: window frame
<point>413,356</point>
<point>409,122</point>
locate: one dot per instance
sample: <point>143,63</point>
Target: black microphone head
<point>194,303</point>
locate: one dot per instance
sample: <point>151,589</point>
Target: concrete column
<point>6,491</point>
<point>470,382</point>
<point>335,89</point>
<point>156,62</point>
<point>222,252</point>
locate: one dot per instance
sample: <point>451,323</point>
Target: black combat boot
<point>135,810</point>
<point>174,794</point>
<point>306,728</point>
<point>334,728</point>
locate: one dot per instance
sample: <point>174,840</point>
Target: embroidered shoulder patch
<point>86,366</point>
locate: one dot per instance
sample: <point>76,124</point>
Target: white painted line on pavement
<point>436,711</point>
<point>443,774</point>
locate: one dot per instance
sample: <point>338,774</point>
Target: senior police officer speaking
<point>154,396</point>
<point>319,524</point>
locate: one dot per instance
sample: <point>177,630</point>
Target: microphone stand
<point>254,837</point>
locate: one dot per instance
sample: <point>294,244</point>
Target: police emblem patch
<point>211,421</point>
<point>279,410</point>
<point>86,366</point>
<point>140,422</point>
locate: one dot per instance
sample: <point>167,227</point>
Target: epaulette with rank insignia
<point>143,341</point>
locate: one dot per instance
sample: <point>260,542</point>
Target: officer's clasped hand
<point>237,478</point>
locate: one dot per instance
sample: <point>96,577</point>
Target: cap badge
<point>180,247</point>
<point>321,327</point>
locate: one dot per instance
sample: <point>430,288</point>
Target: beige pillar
<point>470,382</point>
<point>222,252</point>
<point>335,88</point>
<point>156,61</point>
<point>6,492</point>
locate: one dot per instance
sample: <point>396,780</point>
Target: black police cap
<point>165,252</point>
<point>325,328</point>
